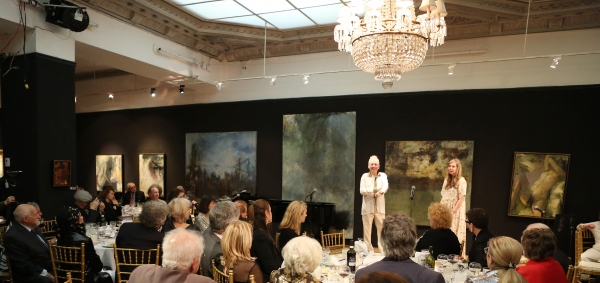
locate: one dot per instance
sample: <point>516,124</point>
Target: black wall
<point>552,120</point>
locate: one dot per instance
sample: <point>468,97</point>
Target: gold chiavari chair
<point>69,279</point>
<point>68,260</point>
<point>220,276</point>
<point>584,239</point>
<point>126,260</point>
<point>334,241</point>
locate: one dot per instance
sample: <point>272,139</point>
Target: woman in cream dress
<point>454,191</point>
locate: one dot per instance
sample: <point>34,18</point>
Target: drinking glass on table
<point>343,271</point>
<point>474,268</point>
<point>453,259</point>
<point>443,259</point>
<point>326,252</point>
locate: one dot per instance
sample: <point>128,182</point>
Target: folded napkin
<point>361,247</point>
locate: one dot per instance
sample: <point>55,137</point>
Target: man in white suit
<point>373,186</point>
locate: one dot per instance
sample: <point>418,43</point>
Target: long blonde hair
<point>505,253</point>
<point>236,243</point>
<point>291,217</point>
<point>452,181</point>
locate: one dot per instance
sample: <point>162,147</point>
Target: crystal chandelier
<point>390,39</point>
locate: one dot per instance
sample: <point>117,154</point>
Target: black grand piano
<point>320,215</point>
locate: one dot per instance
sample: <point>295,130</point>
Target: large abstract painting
<point>319,153</point>
<point>423,164</point>
<point>220,164</point>
<point>539,182</point>
<point>109,171</point>
<point>152,170</point>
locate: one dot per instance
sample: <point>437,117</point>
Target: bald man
<point>25,247</point>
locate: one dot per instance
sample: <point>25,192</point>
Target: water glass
<point>326,252</point>
<point>113,224</point>
<point>474,268</point>
<point>443,259</point>
<point>343,271</point>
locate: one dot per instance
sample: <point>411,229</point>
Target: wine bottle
<point>351,258</point>
<point>430,260</point>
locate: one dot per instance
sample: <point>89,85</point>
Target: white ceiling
<point>276,14</point>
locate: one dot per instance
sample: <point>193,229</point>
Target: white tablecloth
<point>106,254</point>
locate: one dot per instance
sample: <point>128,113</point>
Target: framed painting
<point>423,165</point>
<point>319,152</point>
<point>109,172</point>
<point>61,173</point>
<point>152,170</point>
<point>220,164</point>
<point>539,183</point>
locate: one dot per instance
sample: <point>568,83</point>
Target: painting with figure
<point>109,171</point>
<point>538,180</point>
<point>423,164</point>
<point>319,153</point>
<point>220,164</point>
<point>152,171</point>
<point>61,173</point>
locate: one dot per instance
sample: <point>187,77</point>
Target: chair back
<point>69,279</point>
<point>584,239</point>
<point>334,241</point>
<point>570,274</point>
<point>220,276</point>
<point>251,279</point>
<point>126,260</point>
<point>68,260</point>
<point>49,230</point>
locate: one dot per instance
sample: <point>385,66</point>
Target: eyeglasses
<point>486,249</point>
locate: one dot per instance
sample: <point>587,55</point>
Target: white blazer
<point>366,189</point>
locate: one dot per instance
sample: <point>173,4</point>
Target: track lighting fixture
<point>273,81</point>
<point>181,89</point>
<point>451,69</point>
<point>111,96</point>
<point>219,85</point>
<point>555,61</point>
<point>153,92</point>
<point>305,80</point>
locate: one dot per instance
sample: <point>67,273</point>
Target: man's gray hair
<point>398,236</point>
<point>222,214</point>
<point>21,211</point>
<point>34,204</point>
<point>537,226</point>
<point>302,254</point>
<point>154,214</point>
<point>180,248</point>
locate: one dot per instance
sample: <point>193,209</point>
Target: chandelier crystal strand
<point>390,39</point>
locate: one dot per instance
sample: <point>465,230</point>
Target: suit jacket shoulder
<point>152,273</point>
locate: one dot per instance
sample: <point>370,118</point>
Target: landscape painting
<point>220,164</point>
<point>152,171</point>
<point>319,153</point>
<point>109,172</point>
<point>423,164</point>
<point>539,183</point>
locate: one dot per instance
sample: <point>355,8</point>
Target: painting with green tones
<point>318,153</point>
<point>423,164</point>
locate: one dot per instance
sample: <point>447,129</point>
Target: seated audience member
<point>382,277</point>
<point>538,247</point>
<point>559,255</point>
<point>263,247</point>
<point>182,249</point>
<point>220,216</point>
<point>593,253</point>
<point>236,243</point>
<point>477,222</point>
<point>502,256</point>
<point>294,216</point>
<point>7,207</point>
<point>243,209</point>
<point>25,247</point>
<point>89,209</point>
<point>302,255</point>
<point>204,207</point>
<point>154,193</point>
<point>440,237</point>
<point>40,228</point>
<point>180,213</point>
<point>71,233</point>
<point>398,237</point>
<point>132,196</point>
<point>146,234</point>
<point>177,192</point>
<point>112,208</point>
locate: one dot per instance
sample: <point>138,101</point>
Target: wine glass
<point>343,271</point>
<point>443,259</point>
<point>453,259</point>
<point>326,252</point>
<point>474,268</point>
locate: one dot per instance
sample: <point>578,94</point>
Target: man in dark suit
<point>220,216</point>
<point>133,196</point>
<point>477,222</point>
<point>25,247</point>
<point>398,238</point>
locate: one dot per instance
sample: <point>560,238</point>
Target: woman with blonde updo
<point>236,243</point>
<point>503,254</point>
